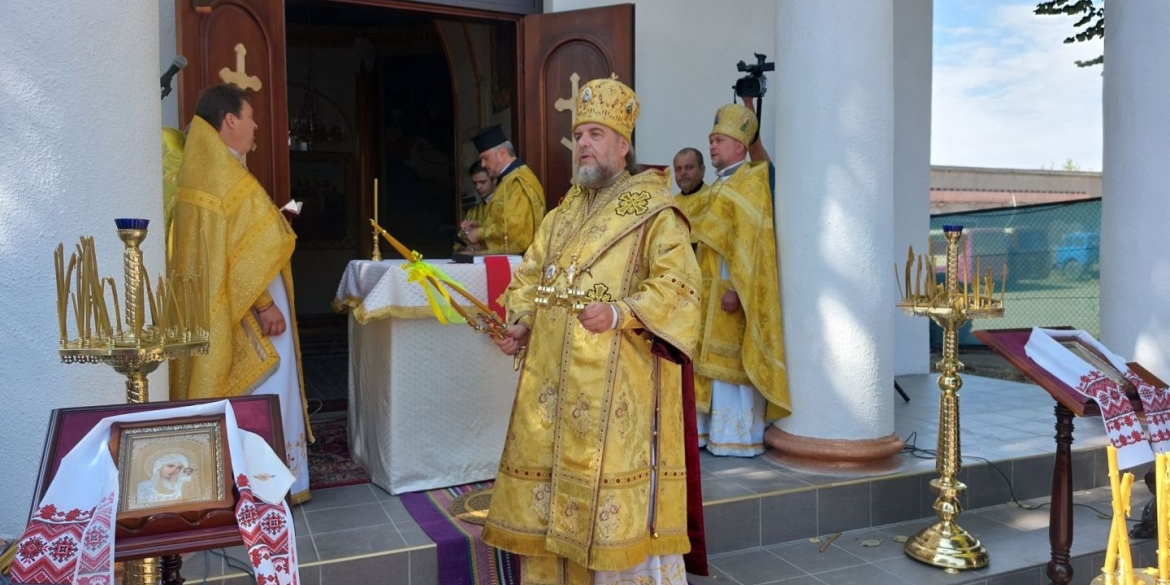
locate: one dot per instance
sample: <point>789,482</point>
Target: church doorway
<point>348,92</point>
<point>392,95</point>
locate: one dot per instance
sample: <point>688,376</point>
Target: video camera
<point>754,84</point>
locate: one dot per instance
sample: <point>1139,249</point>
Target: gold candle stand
<point>179,327</point>
<point>945,544</point>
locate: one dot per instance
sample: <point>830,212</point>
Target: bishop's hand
<point>597,317</point>
<point>515,338</point>
<point>730,301</point>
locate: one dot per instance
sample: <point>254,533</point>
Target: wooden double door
<point>243,41</point>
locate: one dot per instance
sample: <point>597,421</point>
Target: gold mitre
<point>608,102</point>
<point>737,122</point>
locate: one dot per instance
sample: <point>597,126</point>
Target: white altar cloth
<point>428,403</point>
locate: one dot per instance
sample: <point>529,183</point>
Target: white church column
<point>79,117</point>
<point>835,203</point>
<point>1135,267</point>
<point>913,35</point>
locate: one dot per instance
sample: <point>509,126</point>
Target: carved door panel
<point>560,51</point>
<point>241,42</point>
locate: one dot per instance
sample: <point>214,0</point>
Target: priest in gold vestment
<point>693,193</point>
<point>592,483</point>
<point>514,210</point>
<point>224,220</point>
<point>741,383</point>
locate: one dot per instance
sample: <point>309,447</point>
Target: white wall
<point>79,113</point>
<point>684,70</point>
<point>913,26</point>
<point>1135,270</point>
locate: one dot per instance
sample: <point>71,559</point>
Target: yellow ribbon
<point>429,278</point>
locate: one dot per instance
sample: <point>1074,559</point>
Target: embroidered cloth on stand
<point>70,538</point>
<point>1086,365</point>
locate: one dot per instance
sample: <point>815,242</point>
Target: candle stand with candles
<point>178,326</point>
<point>945,544</point>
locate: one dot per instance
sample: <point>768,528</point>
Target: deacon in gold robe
<point>225,224</point>
<point>693,193</point>
<point>515,208</point>
<point>741,383</point>
<point>592,482</point>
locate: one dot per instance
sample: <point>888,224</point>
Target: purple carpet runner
<point>464,559</point>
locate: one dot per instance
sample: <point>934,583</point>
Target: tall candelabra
<point>179,316</point>
<point>945,544</point>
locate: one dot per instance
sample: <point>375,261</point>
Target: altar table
<point>428,403</point>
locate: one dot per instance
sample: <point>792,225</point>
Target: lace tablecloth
<point>428,403</point>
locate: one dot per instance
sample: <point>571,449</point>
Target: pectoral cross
<point>571,272</point>
<point>240,76</point>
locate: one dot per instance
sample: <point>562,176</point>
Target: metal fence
<point>1052,255</point>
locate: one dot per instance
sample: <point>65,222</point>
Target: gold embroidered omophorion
<point>593,469</point>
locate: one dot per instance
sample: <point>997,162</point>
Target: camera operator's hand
<point>756,150</point>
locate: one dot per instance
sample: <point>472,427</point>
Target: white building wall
<point>835,203</point>
<point>79,117</point>
<point>913,25</point>
<point>1135,269</point>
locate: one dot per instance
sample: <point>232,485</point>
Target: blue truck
<point>1078,256</point>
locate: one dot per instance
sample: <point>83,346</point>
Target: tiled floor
<point>362,524</point>
<point>1016,540</point>
<point>1001,420</point>
<point>761,512</point>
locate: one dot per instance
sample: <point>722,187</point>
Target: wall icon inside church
<point>171,466</point>
<point>325,183</point>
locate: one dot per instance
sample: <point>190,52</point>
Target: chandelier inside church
<point>308,126</point>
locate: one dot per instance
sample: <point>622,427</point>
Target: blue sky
<point>1006,92</point>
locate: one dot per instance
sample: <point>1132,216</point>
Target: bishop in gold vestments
<point>225,220</point>
<point>741,382</point>
<point>592,482</point>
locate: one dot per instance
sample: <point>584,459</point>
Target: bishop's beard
<point>593,176</point>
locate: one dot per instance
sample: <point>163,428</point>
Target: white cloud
<point>1007,93</point>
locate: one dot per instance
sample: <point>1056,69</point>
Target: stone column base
<point>835,454</point>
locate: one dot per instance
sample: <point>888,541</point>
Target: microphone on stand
<point>178,63</point>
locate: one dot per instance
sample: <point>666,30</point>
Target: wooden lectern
<point>1009,343</point>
